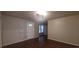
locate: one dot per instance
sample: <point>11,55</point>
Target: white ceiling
<point>31,14</point>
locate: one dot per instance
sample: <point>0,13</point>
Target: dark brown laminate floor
<point>34,43</point>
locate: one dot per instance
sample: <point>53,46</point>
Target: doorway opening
<point>43,31</point>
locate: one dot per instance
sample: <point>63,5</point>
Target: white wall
<point>14,30</point>
<point>0,30</point>
<point>64,29</point>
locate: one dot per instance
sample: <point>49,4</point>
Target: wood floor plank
<point>34,43</point>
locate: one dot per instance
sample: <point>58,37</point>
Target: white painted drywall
<point>15,30</point>
<point>0,30</point>
<point>65,29</point>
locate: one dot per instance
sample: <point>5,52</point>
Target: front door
<point>30,30</point>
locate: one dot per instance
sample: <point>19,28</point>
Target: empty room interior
<point>39,29</point>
